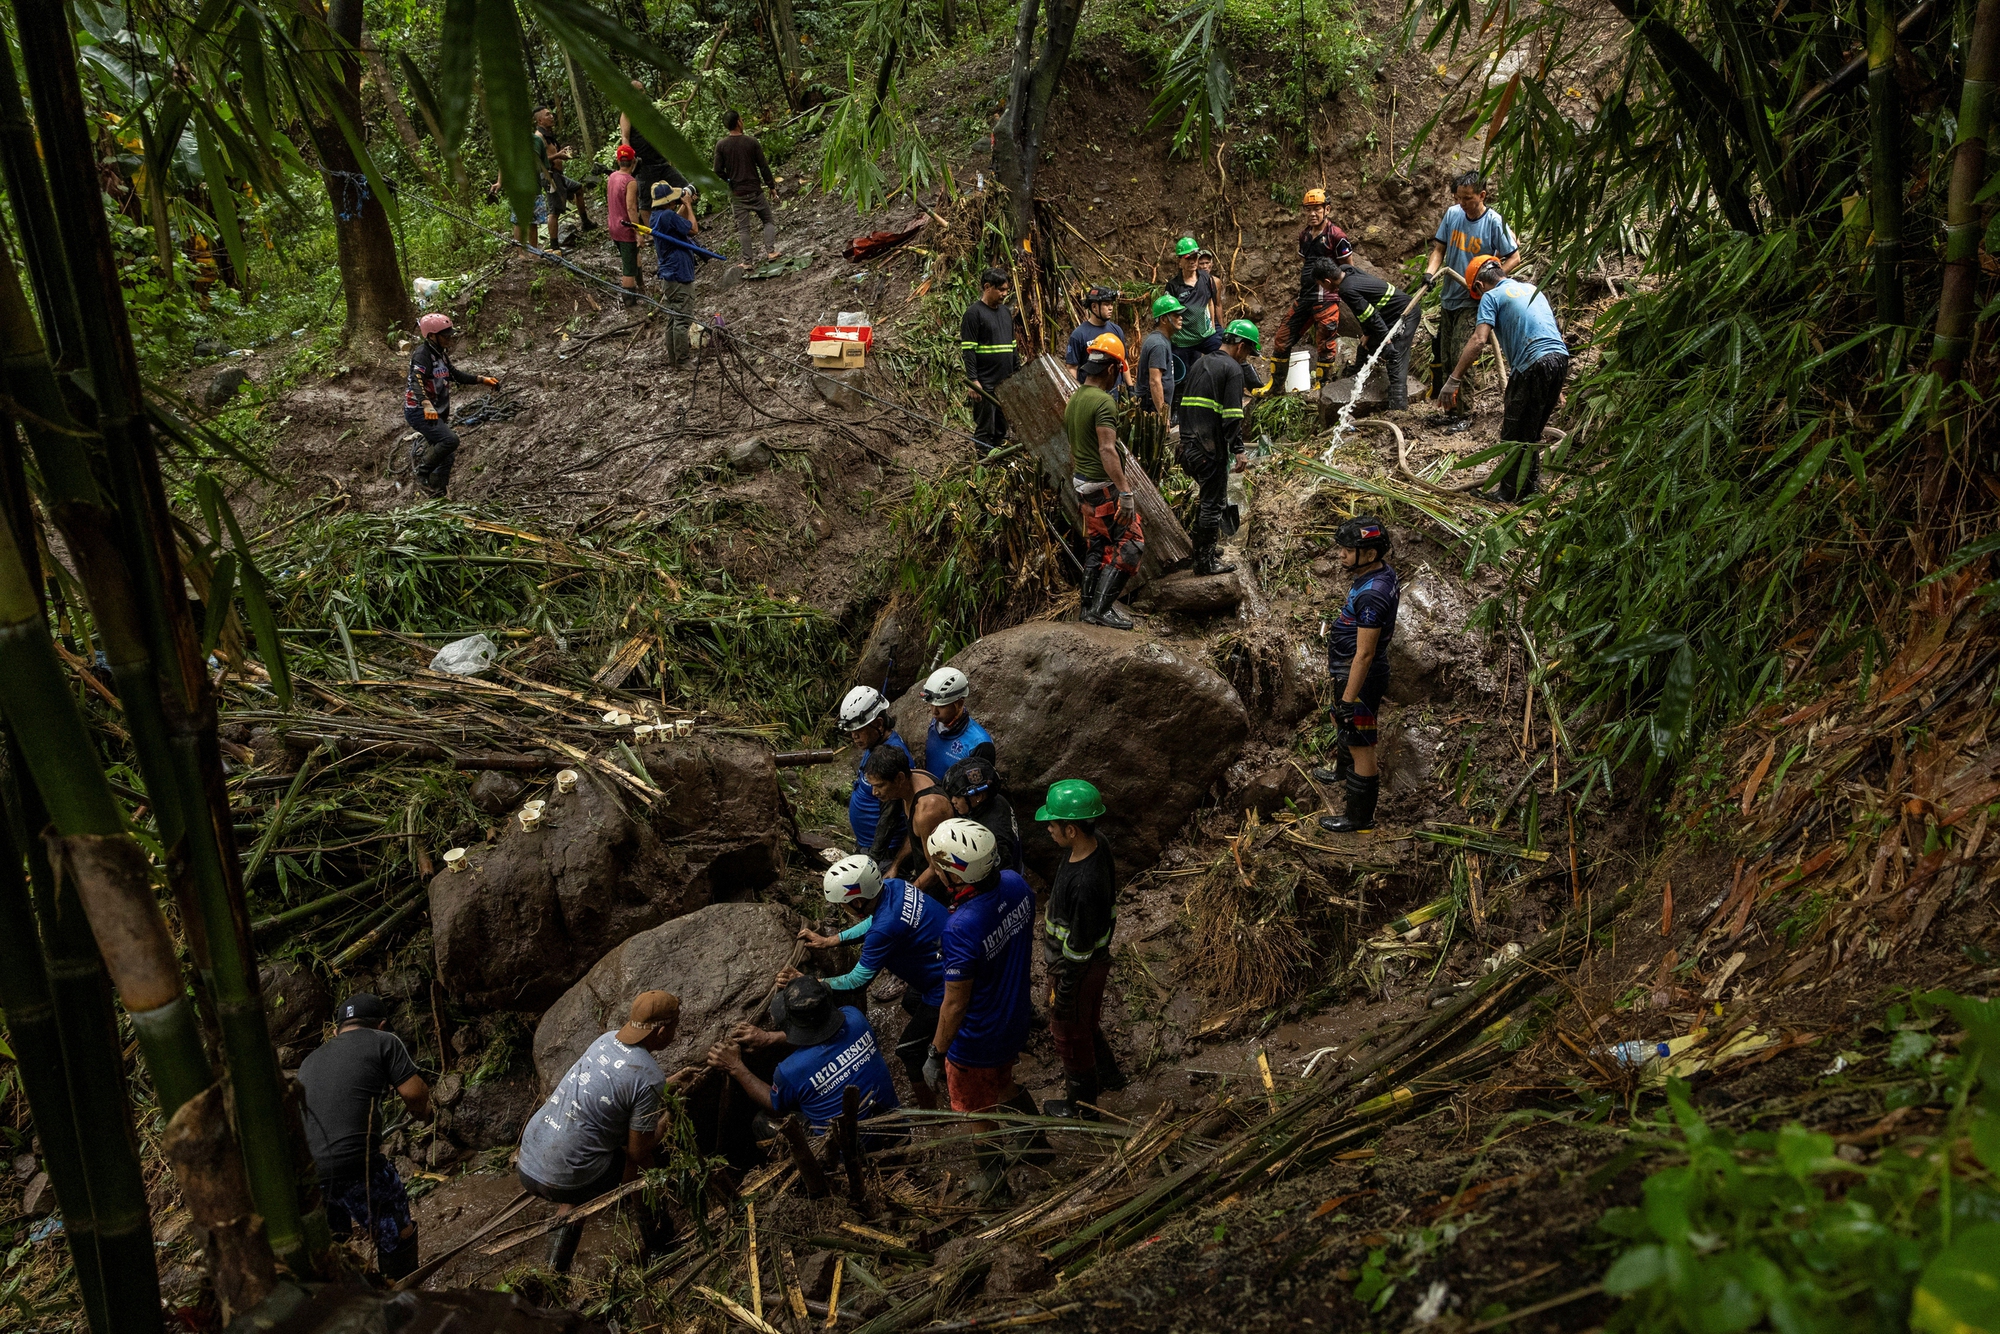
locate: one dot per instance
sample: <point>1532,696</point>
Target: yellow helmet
<point>1316,196</point>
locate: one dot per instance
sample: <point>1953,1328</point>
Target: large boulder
<point>1152,728</point>
<point>531,913</point>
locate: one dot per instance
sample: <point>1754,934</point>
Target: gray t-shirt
<point>1466,239</point>
<point>611,1091</point>
<point>1155,351</point>
<point>343,1081</point>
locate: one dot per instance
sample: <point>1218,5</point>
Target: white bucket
<point>566,780</point>
<point>1299,371</point>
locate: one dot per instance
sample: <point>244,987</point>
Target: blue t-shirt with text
<point>863,811</point>
<point>1521,317</point>
<point>813,1080</point>
<point>905,936</point>
<point>944,749</point>
<point>989,941</point>
<point>1466,239</point>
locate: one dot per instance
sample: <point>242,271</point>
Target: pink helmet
<point>435,324</point>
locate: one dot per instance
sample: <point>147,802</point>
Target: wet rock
<point>297,1003</point>
<point>719,961</point>
<point>1152,728</point>
<point>891,652</point>
<point>751,455</point>
<point>223,385</point>
<point>816,1274</point>
<point>839,388</point>
<point>210,347</point>
<point>1016,1271</point>
<point>1267,790</point>
<point>497,793</point>
<point>1408,754</point>
<point>1193,595</point>
<point>489,1115</point>
<point>534,911</point>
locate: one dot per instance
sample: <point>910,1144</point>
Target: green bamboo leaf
<point>257,606</point>
<point>221,584</point>
<point>427,106</point>
<point>208,494</point>
<point>1643,647</point>
<point>1808,469</point>
<point>508,105</point>
<point>1678,694</point>
<point>457,45</point>
<point>222,201</point>
<point>250,63</point>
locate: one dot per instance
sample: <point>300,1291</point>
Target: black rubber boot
<point>1360,816</point>
<point>1342,770</point>
<point>1093,576</point>
<point>1081,1104</point>
<point>988,1181</point>
<point>1108,1074</point>
<point>562,1245</point>
<point>1104,607</point>
<point>1032,1146</point>
<point>1206,560</point>
<point>401,1262</point>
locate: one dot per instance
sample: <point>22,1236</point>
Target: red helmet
<point>436,323</point>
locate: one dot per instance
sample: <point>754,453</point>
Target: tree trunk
<point>1885,173</point>
<point>370,275</point>
<point>948,21</point>
<point>1968,173</point>
<point>378,70</point>
<point>1031,87</point>
<point>781,29</point>
<point>583,105</point>
<point>156,199</point>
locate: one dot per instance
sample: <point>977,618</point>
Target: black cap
<point>804,1009</point>
<point>971,778</point>
<point>362,1007</point>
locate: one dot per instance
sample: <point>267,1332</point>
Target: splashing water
<point>1345,422</point>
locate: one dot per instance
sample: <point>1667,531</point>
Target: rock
<point>497,793</point>
<point>1193,595</point>
<point>297,1002</point>
<point>222,386</point>
<point>1152,728</point>
<point>891,652</point>
<point>1268,789</point>
<point>449,1088</point>
<point>24,1166</point>
<point>816,1274</point>
<point>210,347</point>
<point>1408,755</point>
<point>38,1200</point>
<point>1016,1271</point>
<point>751,455</point>
<point>533,912</point>
<point>719,961</point>
<point>838,388</point>
<point>489,1115</point>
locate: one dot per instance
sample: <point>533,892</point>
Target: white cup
<point>566,780</point>
<point>454,860</point>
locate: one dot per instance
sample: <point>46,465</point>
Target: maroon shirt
<point>739,159</point>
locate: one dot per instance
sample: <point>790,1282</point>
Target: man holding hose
<point>1537,358</point>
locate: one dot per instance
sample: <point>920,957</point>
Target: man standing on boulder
<point>739,159</point>
<point>901,929</point>
<point>1358,658</point>
<point>920,805</point>
<point>833,1049</point>
<point>343,1081</point>
<point>427,403</point>
<point>1318,239</point>
<point>973,784</point>
<point>1212,436</point>
<point>952,735</point>
<point>986,341</point>
<point>601,1125</point>
<point>864,716</point>
<point>988,957</point>
<point>1114,538</point>
<point>1076,945</point>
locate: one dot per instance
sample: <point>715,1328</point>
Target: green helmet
<point>1246,331</point>
<point>1187,245</point>
<point>1071,799</point>
<point>1165,304</point>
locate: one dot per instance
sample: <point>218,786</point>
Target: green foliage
<point>1773,1229</point>
<point>510,1041</point>
<point>871,149</point>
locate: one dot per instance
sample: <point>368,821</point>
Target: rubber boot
<point>1081,1104</point>
<point>1031,1146</point>
<point>1343,768</point>
<point>562,1245</point>
<point>401,1262</point>
<point>1206,561</point>
<point>1093,575</point>
<point>988,1181</point>
<point>1360,816</point>
<point>1104,607</point>
<point>1109,1077</point>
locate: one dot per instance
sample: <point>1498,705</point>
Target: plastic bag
<point>852,319</point>
<point>427,291</point>
<point>466,657</point>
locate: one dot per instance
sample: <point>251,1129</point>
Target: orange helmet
<point>1472,269</point>
<point>1111,346</point>
<point>1316,196</point>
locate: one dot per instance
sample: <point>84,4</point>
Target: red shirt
<point>615,220</point>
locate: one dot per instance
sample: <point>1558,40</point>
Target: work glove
<point>1345,709</point>
<point>493,380</point>
<point>934,1069</point>
<point>430,413</point>
<point>1126,505</point>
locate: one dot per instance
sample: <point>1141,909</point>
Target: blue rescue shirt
<point>864,813</point>
<point>1520,315</point>
<point>944,749</point>
<point>676,262</point>
<point>813,1080</point>
<point>1466,240</point>
<point>904,934</point>
<point>1371,602</point>
<point>989,941</point>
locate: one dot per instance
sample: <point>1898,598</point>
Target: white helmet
<point>863,705</point>
<point>964,849</point>
<point>852,878</point>
<point>946,685</point>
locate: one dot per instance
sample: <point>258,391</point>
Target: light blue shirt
<point>1521,317</point>
<point>1466,240</point>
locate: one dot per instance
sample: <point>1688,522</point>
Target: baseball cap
<point>804,1009</point>
<point>651,1011</point>
<point>362,1007</point>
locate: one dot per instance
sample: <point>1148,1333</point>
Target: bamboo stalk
<point>281,813</point>
<point>367,934</point>
<point>1885,168</point>
<point>1968,173</point>
<point>208,1168</point>
<point>306,911</point>
<point>29,194</point>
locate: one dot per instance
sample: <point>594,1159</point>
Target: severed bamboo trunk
<point>1957,301</point>
<point>208,1168</point>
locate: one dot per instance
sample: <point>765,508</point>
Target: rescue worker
<point>1357,652</point>
<point>739,159</point>
<point>986,340</point>
<point>601,1125</point>
<point>427,402</point>
<point>1200,294</point>
<point>343,1081</point>
<point>952,735</point>
<point>1099,304</point>
<point>973,784</point>
<point>1469,230</point>
<point>988,958</point>
<point>920,807</point>
<point>1378,308</point>
<point>557,187</point>
<point>1155,376</point>
<point>1537,362</point>
<point>1114,537</point>
<point>1212,435</point>
<point>864,716</point>
<point>622,208</point>
<point>901,929</point>
<point>833,1049</point>
<point>672,221</point>
<point>1319,239</point>
<point>1076,945</point>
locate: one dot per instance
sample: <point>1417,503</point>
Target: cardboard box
<point>835,354</point>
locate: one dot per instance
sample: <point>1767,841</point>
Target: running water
<point>1345,422</point>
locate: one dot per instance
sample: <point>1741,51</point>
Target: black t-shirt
<point>343,1081</point>
<point>998,816</point>
<point>652,165</point>
<point>1083,909</point>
